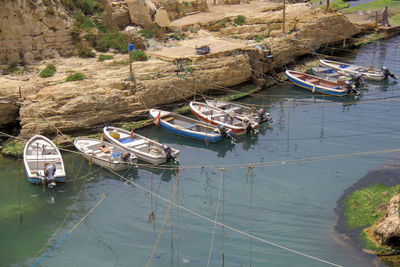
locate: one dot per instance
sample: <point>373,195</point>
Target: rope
<point>224,225</point>
<point>216,217</point>
<point>164,220</point>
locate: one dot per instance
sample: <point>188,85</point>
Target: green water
<point>290,204</point>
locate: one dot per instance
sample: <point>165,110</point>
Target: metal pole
<point>130,49</point>
<point>284,15</point>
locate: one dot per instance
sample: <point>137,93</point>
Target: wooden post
<point>130,49</point>
<point>327,4</point>
<point>284,15</point>
<point>20,94</point>
<point>376,19</point>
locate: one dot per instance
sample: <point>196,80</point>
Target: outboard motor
<point>351,87</point>
<point>224,133</point>
<point>168,153</point>
<point>387,73</point>
<point>359,81</point>
<point>263,115</point>
<point>126,157</point>
<point>49,172</point>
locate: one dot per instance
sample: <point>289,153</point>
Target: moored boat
<point>258,116</point>
<point>215,116</point>
<point>105,154</point>
<point>184,126</point>
<point>144,148</point>
<point>319,85</point>
<point>43,162</point>
<point>369,73</point>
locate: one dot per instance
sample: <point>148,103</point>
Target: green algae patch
<point>14,148</point>
<point>371,38</point>
<point>364,206</point>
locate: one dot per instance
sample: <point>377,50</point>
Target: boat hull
<point>234,130</point>
<point>367,75</point>
<point>314,88</point>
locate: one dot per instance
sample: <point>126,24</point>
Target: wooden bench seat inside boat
<point>40,157</point>
<point>313,80</point>
<point>168,118</point>
<point>137,143</point>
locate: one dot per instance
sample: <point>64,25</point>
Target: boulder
<point>140,12</point>
<point>161,18</point>
<point>387,233</point>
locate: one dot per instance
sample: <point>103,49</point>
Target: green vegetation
<point>259,38</point>
<point>339,4</point>
<point>49,71</point>
<point>13,68</point>
<point>13,148</point>
<point>239,20</point>
<point>368,39</point>
<point>88,7</point>
<point>102,57</point>
<point>85,52</point>
<point>222,23</point>
<point>375,5</point>
<point>77,76</point>
<point>177,36</point>
<point>138,55</point>
<point>115,40</point>
<point>115,63</point>
<point>362,207</point>
<point>234,37</point>
<point>395,20</point>
<point>152,31</point>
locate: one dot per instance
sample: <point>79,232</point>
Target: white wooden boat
<point>105,154</point>
<point>369,73</point>
<point>43,162</point>
<point>144,148</point>
<point>319,85</point>
<point>253,114</point>
<point>185,126</point>
<point>215,116</point>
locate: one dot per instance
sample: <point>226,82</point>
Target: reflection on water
<point>291,204</point>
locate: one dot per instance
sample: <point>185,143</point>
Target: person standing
<point>385,17</point>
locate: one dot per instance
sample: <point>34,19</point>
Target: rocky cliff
<point>387,232</point>
<point>32,30</point>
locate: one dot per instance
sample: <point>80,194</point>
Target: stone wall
<point>30,30</point>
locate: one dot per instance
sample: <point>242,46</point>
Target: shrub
<point>77,76</point>
<point>139,56</point>
<point>89,7</point>
<point>235,37</point>
<point>85,52</point>
<point>152,31</point>
<point>113,40</point>
<point>12,68</point>
<point>177,36</point>
<point>259,38</point>
<point>49,71</point>
<point>102,57</point>
<point>222,23</point>
<point>239,20</point>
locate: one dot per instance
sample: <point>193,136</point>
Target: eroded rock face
<point>387,232</point>
<point>31,30</point>
<point>8,111</point>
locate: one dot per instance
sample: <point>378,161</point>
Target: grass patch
<point>49,71</point>
<point>115,63</point>
<point>375,5</point>
<point>103,57</point>
<point>222,23</point>
<point>362,207</point>
<point>234,37</point>
<point>138,55</point>
<point>12,68</point>
<point>259,38</point>
<point>152,31</point>
<point>115,40</point>
<point>239,20</point>
<point>85,52</point>
<point>339,4</point>
<point>368,39</point>
<point>77,76</point>
<point>176,36</point>
<point>13,148</point>
<point>395,20</point>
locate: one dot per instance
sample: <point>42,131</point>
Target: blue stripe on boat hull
<point>37,180</point>
<point>317,89</point>
<point>198,136</point>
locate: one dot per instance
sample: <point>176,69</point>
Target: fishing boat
<point>215,116</point>
<point>328,73</point>
<point>241,110</point>
<point>144,148</point>
<point>43,162</point>
<point>105,154</point>
<point>369,73</point>
<point>319,85</point>
<point>184,126</point>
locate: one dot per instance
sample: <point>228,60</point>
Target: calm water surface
<point>291,204</point>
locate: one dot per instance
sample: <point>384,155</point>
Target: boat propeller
<point>263,115</point>
<point>169,154</point>
<point>351,87</point>
<point>387,73</point>
<point>359,81</point>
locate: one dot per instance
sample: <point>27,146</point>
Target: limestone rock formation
<point>8,111</point>
<point>141,11</point>
<point>387,232</point>
<point>37,31</point>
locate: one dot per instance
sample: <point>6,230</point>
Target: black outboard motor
<point>49,172</point>
<point>224,133</point>
<point>387,73</point>
<point>168,153</point>
<point>126,157</point>
<point>359,81</point>
<point>351,87</point>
